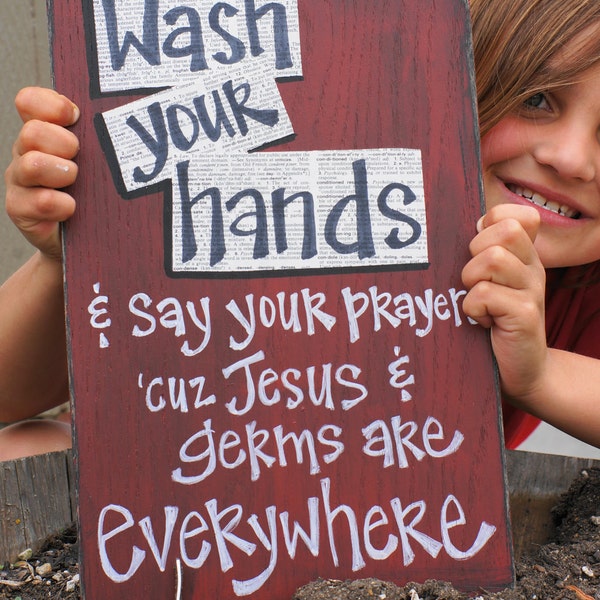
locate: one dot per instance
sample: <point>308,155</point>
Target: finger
<point>45,105</point>
<point>503,267</point>
<point>44,235</point>
<point>476,310</point>
<point>507,233</point>
<point>527,216</point>
<point>36,212</point>
<point>512,311</point>
<point>47,138</point>
<point>35,169</point>
<point>33,205</point>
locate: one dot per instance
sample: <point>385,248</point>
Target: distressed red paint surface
<point>377,73</point>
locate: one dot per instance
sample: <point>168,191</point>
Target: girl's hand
<point>42,164</point>
<point>506,282</point>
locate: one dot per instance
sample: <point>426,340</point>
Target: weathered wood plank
<point>12,527</point>
<point>369,84</point>
<point>535,483</point>
<point>35,501</point>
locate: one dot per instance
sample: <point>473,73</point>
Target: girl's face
<point>548,155</point>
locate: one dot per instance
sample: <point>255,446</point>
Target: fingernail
<point>76,113</point>
<point>480,225</point>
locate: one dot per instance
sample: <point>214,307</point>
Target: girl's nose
<point>570,152</point>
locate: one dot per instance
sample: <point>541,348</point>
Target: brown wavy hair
<point>515,42</point>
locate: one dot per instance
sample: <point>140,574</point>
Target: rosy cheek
<point>490,145</point>
<point>491,194</point>
<point>500,142</point>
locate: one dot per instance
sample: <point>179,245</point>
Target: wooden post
<point>36,500</point>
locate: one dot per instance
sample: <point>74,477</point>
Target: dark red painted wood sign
<point>273,377</point>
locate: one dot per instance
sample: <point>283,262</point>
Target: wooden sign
<point>272,374</point>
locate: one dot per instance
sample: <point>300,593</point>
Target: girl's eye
<point>537,101</point>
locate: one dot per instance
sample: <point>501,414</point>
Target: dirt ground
<point>567,568</point>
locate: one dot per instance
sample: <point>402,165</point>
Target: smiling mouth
<point>539,200</point>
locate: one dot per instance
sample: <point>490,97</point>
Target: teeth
<point>539,200</point>
<point>553,206</point>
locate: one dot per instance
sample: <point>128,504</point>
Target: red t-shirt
<point>573,324</point>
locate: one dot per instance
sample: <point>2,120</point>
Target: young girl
<point>538,80</point>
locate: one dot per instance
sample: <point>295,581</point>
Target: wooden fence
<point>37,497</point>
